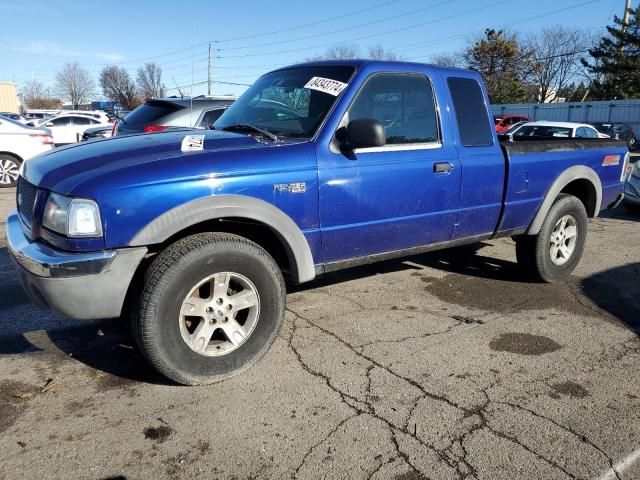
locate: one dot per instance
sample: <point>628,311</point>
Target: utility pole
<point>209,72</point>
<point>625,17</point>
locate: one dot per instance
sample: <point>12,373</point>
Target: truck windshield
<point>288,103</point>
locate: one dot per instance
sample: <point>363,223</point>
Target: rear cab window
<point>471,112</point>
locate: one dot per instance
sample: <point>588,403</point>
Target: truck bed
<point>534,165</point>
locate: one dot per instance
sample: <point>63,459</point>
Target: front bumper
<point>82,286</point>
<point>632,190</point>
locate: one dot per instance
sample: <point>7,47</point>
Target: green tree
<point>616,60</point>
<point>503,63</point>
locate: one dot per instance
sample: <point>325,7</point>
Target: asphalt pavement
<point>446,365</point>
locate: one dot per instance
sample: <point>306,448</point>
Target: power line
<point>388,32</point>
<point>312,24</point>
<point>504,25</point>
<point>353,27</point>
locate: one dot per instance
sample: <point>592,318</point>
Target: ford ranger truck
<point>316,167</point>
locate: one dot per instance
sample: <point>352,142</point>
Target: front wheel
<point>210,308</point>
<point>9,171</point>
<point>555,251</point>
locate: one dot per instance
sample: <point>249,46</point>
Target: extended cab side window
<point>471,112</point>
<point>403,103</point>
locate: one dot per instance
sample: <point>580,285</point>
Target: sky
<point>249,38</point>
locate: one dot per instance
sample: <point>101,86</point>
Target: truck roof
<point>381,64</point>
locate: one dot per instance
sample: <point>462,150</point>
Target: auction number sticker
<point>193,143</point>
<point>326,85</point>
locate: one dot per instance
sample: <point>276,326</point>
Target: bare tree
<point>35,95</point>
<point>349,51</point>
<point>556,59</point>
<point>378,52</point>
<point>150,81</point>
<point>345,51</point>
<point>118,87</point>
<point>74,83</point>
<point>448,60</point>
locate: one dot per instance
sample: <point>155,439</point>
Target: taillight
<point>155,128</point>
<point>626,167</point>
<point>46,139</point>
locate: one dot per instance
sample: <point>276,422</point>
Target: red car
<point>503,122</point>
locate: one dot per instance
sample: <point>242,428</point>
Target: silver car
<point>632,190</point>
<point>158,115</point>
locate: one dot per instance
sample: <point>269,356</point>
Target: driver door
<point>402,195</point>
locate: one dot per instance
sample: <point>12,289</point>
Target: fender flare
<point>577,172</point>
<point>239,206</point>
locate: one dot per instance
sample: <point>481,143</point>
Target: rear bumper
<point>82,286</point>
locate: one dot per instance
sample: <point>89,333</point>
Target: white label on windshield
<point>193,143</point>
<point>326,85</point>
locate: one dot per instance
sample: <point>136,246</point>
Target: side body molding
<point>577,172</point>
<point>238,206</point>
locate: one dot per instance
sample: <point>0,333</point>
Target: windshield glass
<point>279,103</point>
<point>543,131</point>
<point>603,127</point>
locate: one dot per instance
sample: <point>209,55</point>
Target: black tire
<point>9,162</point>
<point>533,252</point>
<point>171,277</point>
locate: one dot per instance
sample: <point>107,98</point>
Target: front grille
<point>26,199</point>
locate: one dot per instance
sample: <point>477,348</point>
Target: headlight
<point>74,217</point>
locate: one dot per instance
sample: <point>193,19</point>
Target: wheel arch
<point>580,181</point>
<point>12,154</point>
<point>203,211</point>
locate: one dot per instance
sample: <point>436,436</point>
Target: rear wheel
<point>9,170</point>
<point>210,308</point>
<point>555,251</point>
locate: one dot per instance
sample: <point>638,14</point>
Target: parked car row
<point>515,125</point>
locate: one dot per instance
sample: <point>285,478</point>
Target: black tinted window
<point>471,112</point>
<point>150,112</point>
<point>81,121</point>
<point>404,104</point>
<point>210,117</point>
<point>58,122</point>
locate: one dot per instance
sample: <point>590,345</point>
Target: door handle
<point>442,167</point>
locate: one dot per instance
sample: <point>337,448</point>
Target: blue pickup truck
<point>317,167</point>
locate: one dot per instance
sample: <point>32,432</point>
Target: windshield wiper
<point>249,126</point>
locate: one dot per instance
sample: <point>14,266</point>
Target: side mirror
<point>365,132</point>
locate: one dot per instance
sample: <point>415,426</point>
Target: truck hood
<point>63,169</point>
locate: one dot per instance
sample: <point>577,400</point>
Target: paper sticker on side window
<point>192,143</point>
<point>326,85</point>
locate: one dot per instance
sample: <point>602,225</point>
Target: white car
<point>16,117</point>
<point>18,143</point>
<point>99,115</point>
<point>68,127</point>
<point>556,129</point>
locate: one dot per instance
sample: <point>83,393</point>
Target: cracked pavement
<point>441,366</point>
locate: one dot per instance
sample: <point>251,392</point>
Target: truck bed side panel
<point>534,166</point>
